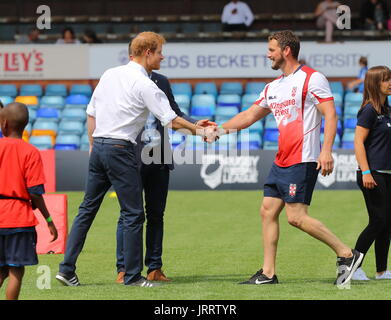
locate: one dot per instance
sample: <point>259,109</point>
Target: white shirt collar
<point>138,66</point>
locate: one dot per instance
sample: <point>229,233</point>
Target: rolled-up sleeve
<point>156,101</point>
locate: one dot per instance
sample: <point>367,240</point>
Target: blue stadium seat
<point>206,88</point>
<point>353,99</point>
<point>6,100</point>
<point>250,140</point>
<point>41,142</point>
<point>44,124</point>
<point>270,145</point>
<point>71,127</point>
<point>270,123</point>
<point>226,142</point>
<point>32,114</point>
<point>339,127</point>
<point>183,101</point>
<point>337,87</point>
<point>338,102</point>
<point>257,127</point>
<point>195,143</point>
<point>52,102</point>
<point>202,105</point>
<point>351,111</point>
<point>56,90</point>
<point>84,142</point>
<point>176,138</point>
<point>77,99</point>
<point>271,135</point>
<point>229,100</point>
<point>82,89</point>
<point>348,140</point>
<point>248,100</point>
<point>225,113</point>
<point>389,100</point>
<point>74,114</point>
<point>350,124</point>
<point>182,88</point>
<point>255,87</point>
<point>67,141</point>
<point>51,114</point>
<point>31,90</point>
<point>8,90</point>
<point>231,88</point>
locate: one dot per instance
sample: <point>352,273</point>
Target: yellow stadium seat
<point>27,100</point>
<point>41,132</point>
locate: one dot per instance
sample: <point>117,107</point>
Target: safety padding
<point>58,209</point>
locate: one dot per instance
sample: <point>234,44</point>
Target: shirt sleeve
<point>262,99</point>
<point>34,175</point>
<point>156,101</point>
<point>366,117</point>
<point>319,89</point>
<point>226,14</point>
<point>249,15</point>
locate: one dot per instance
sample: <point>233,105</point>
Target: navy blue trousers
<point>112,163</point>
<point>155,179</point>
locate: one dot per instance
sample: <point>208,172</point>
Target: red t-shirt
<point>20,168</point>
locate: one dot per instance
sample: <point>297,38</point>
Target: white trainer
<point>360,275</point>
<point>385,275</point>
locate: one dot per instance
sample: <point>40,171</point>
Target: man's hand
<point>325,163</point>
<point>210,134</point>
<point>205,123</point>
<point>53,231</point>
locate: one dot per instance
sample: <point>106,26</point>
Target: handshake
<point>210,132</point>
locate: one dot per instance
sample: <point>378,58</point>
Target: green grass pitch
<point>213,241</point>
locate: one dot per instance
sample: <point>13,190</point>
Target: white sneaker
<point>385,275</point>
<point>360,275</point>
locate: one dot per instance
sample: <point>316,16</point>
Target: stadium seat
<point>195,143</point>
<point>176,138</point>
<point>229,100</point>
<point>56,90</point>
<point>225,113</point>
<point>248,100</point>
<point>389,100</point>
<point>183,101</point>
<point>6,100</point>
<point>353,99</point>
<point>270,123</point>
<point>41,142</point>
<point>32,115</point>
<point>8,90</point>
<point>70,127</point>
<point>67,142</point>
<point>338,102</point>
<point>270,145</point>
<point>45,128</point>
<point>81,89</point>
<point>339,127</point>
<point>351,111</point>
<point>31,90</point>
<point>206,88</point>
<point>271,135</point>
<point>348,140</point>
<point>350,124</point>
<point>84,142</point>
<point>30,101</point>
<point>256,127</point>
<point>74,114</point>
<point>255,87</point>
<point>52,102</point>
<point>226,142</point>
<point>77,99</point>
<point>50,114</point>
<point>202,106</point>
<point>337,87</point>
<point>249,140</point>
<point>231,88</point>
<point>182,88</point>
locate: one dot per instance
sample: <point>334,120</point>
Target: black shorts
<point>294,184</point>
<point>18,249</point>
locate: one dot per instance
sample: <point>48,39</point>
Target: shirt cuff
<point>39,189</point>
<point>167,118</point>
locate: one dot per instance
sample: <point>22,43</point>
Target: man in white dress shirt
<point>237,16</point>
<point>117,112</point>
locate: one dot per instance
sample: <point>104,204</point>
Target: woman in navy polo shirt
<point>372,145</point>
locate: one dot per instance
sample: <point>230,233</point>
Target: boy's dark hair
<point>287,38</point>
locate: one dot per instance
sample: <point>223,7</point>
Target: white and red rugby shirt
<point>293,100</point>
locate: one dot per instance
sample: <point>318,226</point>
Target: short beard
<point>278,64</point>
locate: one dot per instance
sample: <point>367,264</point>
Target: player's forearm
<point>191,128</point>
<point>39,203</point>
<point>241,121</point>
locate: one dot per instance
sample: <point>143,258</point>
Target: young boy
<point>21,189</point>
